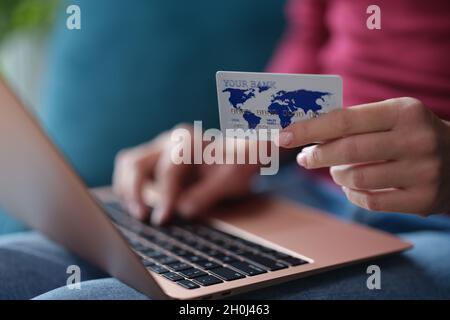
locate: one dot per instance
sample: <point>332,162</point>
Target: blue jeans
<point>33,267</point>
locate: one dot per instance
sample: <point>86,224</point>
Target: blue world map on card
<point>239,96</point>
<point>282,103</point>
<point>252,119</point>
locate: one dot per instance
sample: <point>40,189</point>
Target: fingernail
<point>285,138</point>
<point>157,215</point>
<point>301,159</point>
<point>308,149</point>
<point>187,207</point>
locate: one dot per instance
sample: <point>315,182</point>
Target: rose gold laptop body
<point>40,188</point>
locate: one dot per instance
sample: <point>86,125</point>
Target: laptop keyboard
<point>196,255</point>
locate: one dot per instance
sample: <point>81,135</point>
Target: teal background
<point>139,67</point>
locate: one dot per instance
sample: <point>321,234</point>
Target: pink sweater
<point>409,56</point>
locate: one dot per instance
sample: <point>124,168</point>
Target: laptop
<point>246,245</point>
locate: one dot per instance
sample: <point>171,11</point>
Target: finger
<point>391,174</point>
<point>132,168</point>
<point>372,117</point>
<point>389,200</point>
<point>170,180</point>
<point>353,149</point>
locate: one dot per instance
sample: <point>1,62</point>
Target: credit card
<point>257,100</point>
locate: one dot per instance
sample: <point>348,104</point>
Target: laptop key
<point>178,266</point>
<point>269,250</point>
<point>194,258</point>
<point>248,268</point>
<point>211,252</point>
<point>180,251</point>
<point>139,247</point>
<point>148,237</point>
<point>161,242</point>
<point>240,251</point>
<point>147,263</point>
<point>219,242</point>
<point>187,284</point>
<point>294,261</point>
<point>231,247</point>
<point>225,258</point>
<point>172,276</point>
<point>167,246</point>
<point>267,263</point>
<point>166,259</point>
<point>179,237</point>
<point>207,265</point>
<point>200,247</point>
<point>279,255</point>
<point>163,230</point>
<point>251,244</point>
<point>158,269</point>
<point>207,280</point>
<point>227,274</point>
<point>152,253</point>
<point>190,241</point>
<point>192,273</point>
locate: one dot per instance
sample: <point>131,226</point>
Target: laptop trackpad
<point>304,231</point>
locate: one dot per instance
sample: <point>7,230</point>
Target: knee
<point>431,254</point>
<point>101,289</point>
